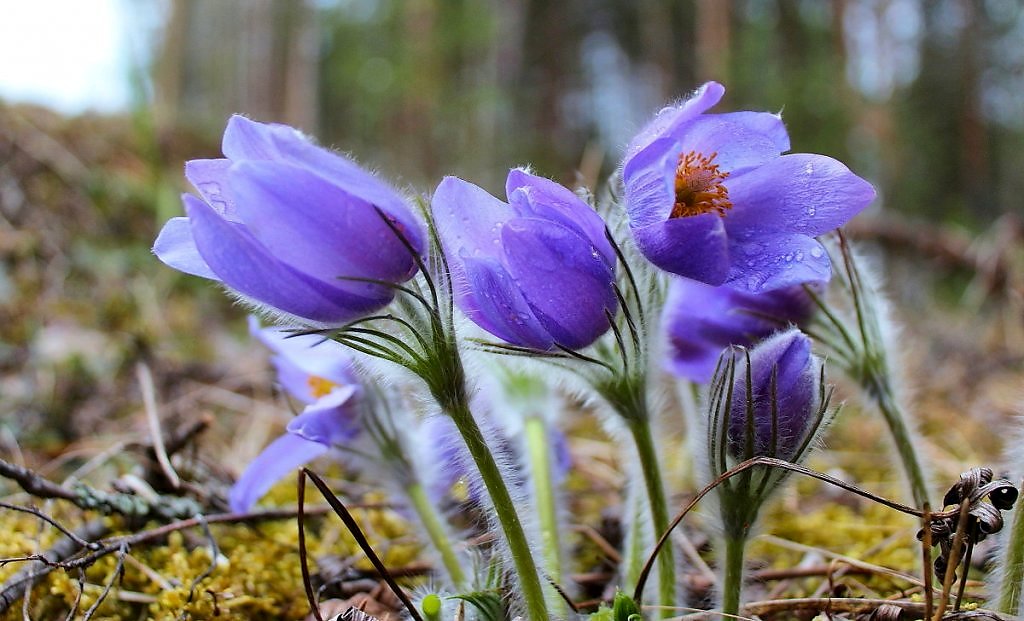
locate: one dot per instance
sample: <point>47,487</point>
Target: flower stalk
<point>627,395</point>
<point>538,450</point>
<point>434,527</point>
<point>1013,567</point>
<point>641,432</point>
<point>863,354</point>
<point>732,583</point>
<point>504,509</point>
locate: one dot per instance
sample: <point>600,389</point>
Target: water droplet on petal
<point>799,256</point>
<point>816,252</point>
<point>809,168</point>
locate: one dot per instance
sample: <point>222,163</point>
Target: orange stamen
<point>699,187</point>
<point>320,387</point>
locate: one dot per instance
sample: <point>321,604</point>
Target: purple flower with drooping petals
<point>536,271</point>
<point>785,389</point>
<point>702,320</point>
<point>320,374</point>
<point>283,223</point>
<point>712,198</point>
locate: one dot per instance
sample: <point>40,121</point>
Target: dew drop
<point>809,168</point>
<point>799,256</point>
<point>816,252</point>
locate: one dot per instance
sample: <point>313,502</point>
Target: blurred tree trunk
<point>257,57</point>
<point>974,151</point>
<point>713,40</point>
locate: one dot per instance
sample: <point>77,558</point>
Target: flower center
<point>320,387</point>
<point>699,187</point>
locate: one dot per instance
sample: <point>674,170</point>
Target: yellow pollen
<point>699,187</point>
<point>320,387</point>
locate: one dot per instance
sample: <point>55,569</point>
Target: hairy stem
<point>431,521</point>
<point>539,451</point>
<point>732,581</point>
<point>1013,566</point>
<point>896,419</point>
<point>504,509</point>
<point>640,427</point>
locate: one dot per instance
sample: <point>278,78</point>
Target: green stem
<point>633,556</point>
<point>641,430</point>
<point>437,533</point>
<point>504,508</point>
<point>1013,566</point>
<point>732,582</point>
<point>539,451</point>
<point>896,418</point>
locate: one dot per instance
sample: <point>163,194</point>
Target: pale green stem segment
<point>1013,569</point>
<point>431,521</point>
<point>896,419</point>
<point>633,559</point>
<point>505,510</point>
<point>641,430</point>
<point>732,582</point>
<point>538,448</point>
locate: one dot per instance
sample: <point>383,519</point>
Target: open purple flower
<point>536,271</point>
<point>702,320</point>
<point>320,374</point>
<point>712,198</point>
<point>785,393</point>
<point>283,223</point>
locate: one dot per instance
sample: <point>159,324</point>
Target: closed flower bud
<point>292,226</point>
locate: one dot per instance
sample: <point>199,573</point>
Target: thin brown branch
<point>34,484</point>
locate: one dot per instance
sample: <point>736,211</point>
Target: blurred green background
<point>924,97</point>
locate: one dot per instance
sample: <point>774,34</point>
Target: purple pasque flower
<point>702,320</point>
<point>712,198</point>
<point>536,271</point>
<point>783,395</point>
<point>283,222</point>
<point>320,374</point>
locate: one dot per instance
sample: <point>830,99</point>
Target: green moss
<point>256,575</point>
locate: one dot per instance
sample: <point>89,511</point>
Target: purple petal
<point>468,219</point>
<point>671,117</point>
<point>764,123</point>
<point>568,287</point>
<point>210,178</point>
<point>736,146</point>
<point>282,457</point>
<point>294,380</point>
<point>799,193</point>
<point>312,354</point>
<point>774,261</point>
<point>494,302</point>
<point>176,248</point>
<point>333,419</point>
<point>649,180</point>
<point>249,140</point>
<point>693,247</point>
<point>245,139</point>
<point>702,320</point>
<point>244,265</point>
<point>316,227</point>
<point>536,196</point>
